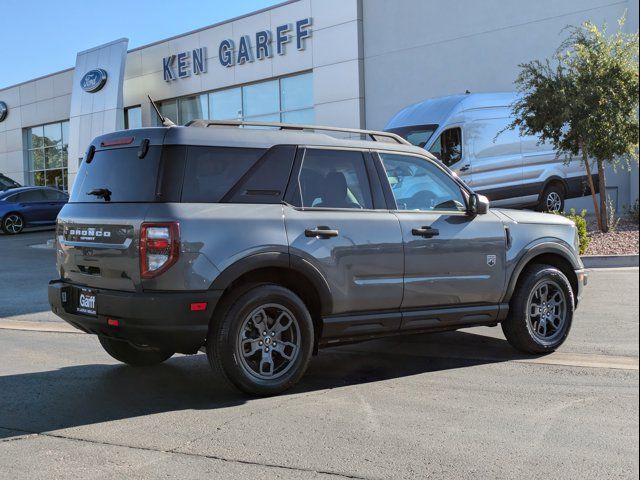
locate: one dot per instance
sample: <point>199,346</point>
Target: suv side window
<point>212,171</point>
<point>417,184</point>
<point>334,179</point>
<point>55,196</point>
<point>448,146</point>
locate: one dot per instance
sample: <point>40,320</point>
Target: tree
<point>584,101</point>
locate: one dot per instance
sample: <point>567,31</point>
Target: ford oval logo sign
<point>4,110</point>
<point>93,80</point>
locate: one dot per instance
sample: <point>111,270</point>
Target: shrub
<point>581,224</point>
<point>633,211</point>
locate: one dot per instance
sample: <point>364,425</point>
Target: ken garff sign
<point>93,80</point>
<point>4,111</point>
<point>184,64</point>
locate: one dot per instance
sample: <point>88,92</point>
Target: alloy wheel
<point>554,202</point>
<point>547,311</point>
<point>269,342</point>
<point>13,224</point>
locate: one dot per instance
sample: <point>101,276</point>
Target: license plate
<point>86,302</point>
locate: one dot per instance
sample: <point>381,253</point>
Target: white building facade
<point>350,63</point>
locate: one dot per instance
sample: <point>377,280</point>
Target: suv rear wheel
<point>263,340</point>
<point>540,311</point>
<point>134,355</point>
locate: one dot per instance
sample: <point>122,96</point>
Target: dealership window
<point>288,100</point>
<point>47,151</point>
<point>133,117</point>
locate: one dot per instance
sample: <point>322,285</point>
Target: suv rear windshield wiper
<point>101,193</point>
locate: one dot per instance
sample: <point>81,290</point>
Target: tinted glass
<point>334,179</point>
<point>6,183</point>
<point>133,118</point>
<point>119,170</point>
<point>448,147</point>
<point>305,117</point>
<point>419,185</point>
<point>55,196</point>
<point>226,105</point>
<point>418,135</point>
<point>28,197</point>
<point>192,108</point>
<point>261,98</point>
<point>297,92</point>
<point>212,171</point>
<point>168,109</point>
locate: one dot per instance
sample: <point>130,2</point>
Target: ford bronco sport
<point>262,245</point>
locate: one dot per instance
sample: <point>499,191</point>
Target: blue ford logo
<point>93,80</point>
<point>4,110</point>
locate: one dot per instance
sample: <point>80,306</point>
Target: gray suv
<point>262,245</point>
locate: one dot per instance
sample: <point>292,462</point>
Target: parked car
<point>469,134</point>
<point>7,183</point>
<point>30,207</point>
<point>263,245</point>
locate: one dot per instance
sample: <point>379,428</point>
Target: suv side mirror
<point>478,204</point>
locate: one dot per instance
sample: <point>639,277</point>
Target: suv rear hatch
<point>98,230</point>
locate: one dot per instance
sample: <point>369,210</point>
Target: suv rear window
<point>127,177</point>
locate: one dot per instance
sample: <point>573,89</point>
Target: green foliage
<point>581,224</point>
<point>633,211</point>
<point>587,96</point>
<point>584,100</point>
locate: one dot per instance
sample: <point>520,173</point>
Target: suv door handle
<point>426,232</point>
<point>465,168</point>
<point>321,232</point>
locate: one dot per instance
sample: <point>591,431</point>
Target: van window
<point>127,177</point>
<point>212,171</point>
<point>448,146</point>
<point>417,135</point>
<point>334,179</point>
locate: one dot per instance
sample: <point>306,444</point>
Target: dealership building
<point>348,63</point>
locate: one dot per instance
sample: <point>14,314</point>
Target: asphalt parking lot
<point>453,405</point>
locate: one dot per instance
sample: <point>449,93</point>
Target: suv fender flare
<point>281,260</point>
<point>556,247</point>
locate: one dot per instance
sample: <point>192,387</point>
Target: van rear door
<point>98,231</point>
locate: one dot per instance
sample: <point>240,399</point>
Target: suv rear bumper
<point>161,319</point>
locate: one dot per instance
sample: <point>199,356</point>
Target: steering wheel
<point>422,200</point>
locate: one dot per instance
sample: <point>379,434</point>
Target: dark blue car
<point>30,207</point>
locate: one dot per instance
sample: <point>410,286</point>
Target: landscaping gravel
<point>622,241</point>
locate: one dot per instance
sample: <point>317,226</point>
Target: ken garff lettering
<point>248,50</point>
<point>4,111</point>
<point>93,80</point>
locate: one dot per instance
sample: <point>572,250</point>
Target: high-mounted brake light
<point>159,247</point>
<point>117,141</point>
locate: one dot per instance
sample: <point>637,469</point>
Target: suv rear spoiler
<point>376,136</point>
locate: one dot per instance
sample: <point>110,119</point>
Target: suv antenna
<point>163,120</point>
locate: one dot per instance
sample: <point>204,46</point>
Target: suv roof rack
<point>376,136</point>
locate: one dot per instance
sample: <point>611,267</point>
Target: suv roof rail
<point>376,136</point>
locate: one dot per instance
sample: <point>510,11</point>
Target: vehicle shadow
<point>83,395</point>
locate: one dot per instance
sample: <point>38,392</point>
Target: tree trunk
<point>602,183</point>
<point>592,187</point>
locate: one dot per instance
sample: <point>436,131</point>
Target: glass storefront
<point>288,100</point>
<point>47,151</point>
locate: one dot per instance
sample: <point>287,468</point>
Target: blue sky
<point>38,37</point>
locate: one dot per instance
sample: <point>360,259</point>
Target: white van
<point>467,133</point>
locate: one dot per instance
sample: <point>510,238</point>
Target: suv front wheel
<point>540,311</point>
<point>262,340</point>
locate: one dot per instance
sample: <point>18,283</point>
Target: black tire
<point>134,355</point>
<point>552,198</point>
<point>234,328</point>
<point>523,329</point>
<point>12,223</point>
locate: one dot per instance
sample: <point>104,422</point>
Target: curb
<point>610,261</point>
<point>55,327</point>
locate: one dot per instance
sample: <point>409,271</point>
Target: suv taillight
<point>159,247</point>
